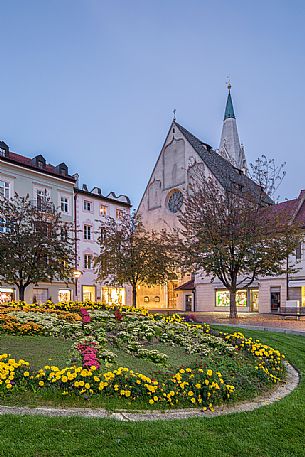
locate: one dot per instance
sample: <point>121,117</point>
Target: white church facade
<point>181,155</point>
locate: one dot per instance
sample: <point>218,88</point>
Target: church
<point>181,155</point>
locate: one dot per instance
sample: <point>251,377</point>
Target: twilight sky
<point>93,83</point>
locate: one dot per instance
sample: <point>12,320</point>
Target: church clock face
<point>175,201</point>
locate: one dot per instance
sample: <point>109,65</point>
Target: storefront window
<point>223,298</point>
<point>88,293</point>
<point>64,295</point>
<point>6,295</point>
<point>115,295</point>
<point>254,299</point>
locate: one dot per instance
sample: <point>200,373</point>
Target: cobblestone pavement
<point>267,398</point>
<point>256,321</point>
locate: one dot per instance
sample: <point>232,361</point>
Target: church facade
<point>182,155</point>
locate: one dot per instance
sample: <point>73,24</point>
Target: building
<point>181,155</point>
<point>81,208</point>
<point>42,182</point>
<point>90,208</point>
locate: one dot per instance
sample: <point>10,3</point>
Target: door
<point>275,298</point>
<point>189,302</point>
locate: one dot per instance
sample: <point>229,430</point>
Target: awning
<point>297,283</point>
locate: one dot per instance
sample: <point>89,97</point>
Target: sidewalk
<point>255,321</point>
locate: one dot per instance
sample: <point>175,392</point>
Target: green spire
<point>229,112</point>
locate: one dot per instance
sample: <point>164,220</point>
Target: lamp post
<point>76,274</point>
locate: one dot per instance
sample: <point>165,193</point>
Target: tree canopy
<point>35,244</point>
<point>130,254</point>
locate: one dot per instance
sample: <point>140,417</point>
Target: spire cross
<point>228,83</point>
<point>174,111</point>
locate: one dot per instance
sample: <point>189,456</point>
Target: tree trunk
<point>21,289</point>
<point>134,296</point>
<point>233,307</point>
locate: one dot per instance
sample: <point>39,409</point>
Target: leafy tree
<point>35,244</point>
<point>129,254</point>
<point>233,235</point>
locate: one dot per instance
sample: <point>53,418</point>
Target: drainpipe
<point>287,278</point>
<point>75,240</point>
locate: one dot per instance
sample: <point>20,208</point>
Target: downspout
<point>75,240</point>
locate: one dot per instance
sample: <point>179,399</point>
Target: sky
<point>93,83</point>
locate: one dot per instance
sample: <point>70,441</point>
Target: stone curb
<point>281,391</point>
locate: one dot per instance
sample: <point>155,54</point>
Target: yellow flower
<point>193,400</point>
<point>198,386</point>
<point>190,394</point>
<point>155,398</point>
<point>151,401</point>
<point>26,373</point>
<point>41,383</point>
<point>209,372</point>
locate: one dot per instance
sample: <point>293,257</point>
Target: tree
<point>35,245</point>
<point>234,235</point>
<point>130,254</point>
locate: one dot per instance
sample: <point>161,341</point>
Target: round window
<point>175,201</point>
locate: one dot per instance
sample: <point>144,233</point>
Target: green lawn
<point>274,431</point>
<point>38,350</point>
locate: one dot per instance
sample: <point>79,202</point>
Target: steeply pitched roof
<point>225,173</point>
<point>293,210</point>
<point>229,112</point>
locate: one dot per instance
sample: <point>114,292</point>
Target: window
<point>64,205</point>
<point>88,261</point>
<point>87,205</point>
<point>3,227</point>
<point>2,152</point>
<point>298,251</point>
<point>87,232</point>
<point>103,210</point>
<point>119,213</point>
<point>5,189</point>
<point>223,298</point>
<point>42,197</point>
<point>64,295</point>
<point>103,234</point>
<point>64,234</point>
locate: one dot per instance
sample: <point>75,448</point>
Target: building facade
<point>90,208</point>
<point>42,182</point>
<point>181,156</point>
<point>81,208</point>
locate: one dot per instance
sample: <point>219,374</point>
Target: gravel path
<point>280,391</point>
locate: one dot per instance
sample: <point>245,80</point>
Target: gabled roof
<point>293,210</point>
<point>189,285</point>
<point>224,171</point>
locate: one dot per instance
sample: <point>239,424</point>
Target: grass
<point>38,350</point>
<point>41,351</point>
<point>272,431</point>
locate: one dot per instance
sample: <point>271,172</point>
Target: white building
<point>81,208</point>
<point>90,208</point>
<point>41,181</point>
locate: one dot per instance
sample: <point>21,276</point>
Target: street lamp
<point>76,274</point>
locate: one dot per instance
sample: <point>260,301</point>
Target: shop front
<point>246,299</point>
<point>7,294</point>
<point>114,295</point>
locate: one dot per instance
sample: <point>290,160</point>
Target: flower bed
<point>95,329</point>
